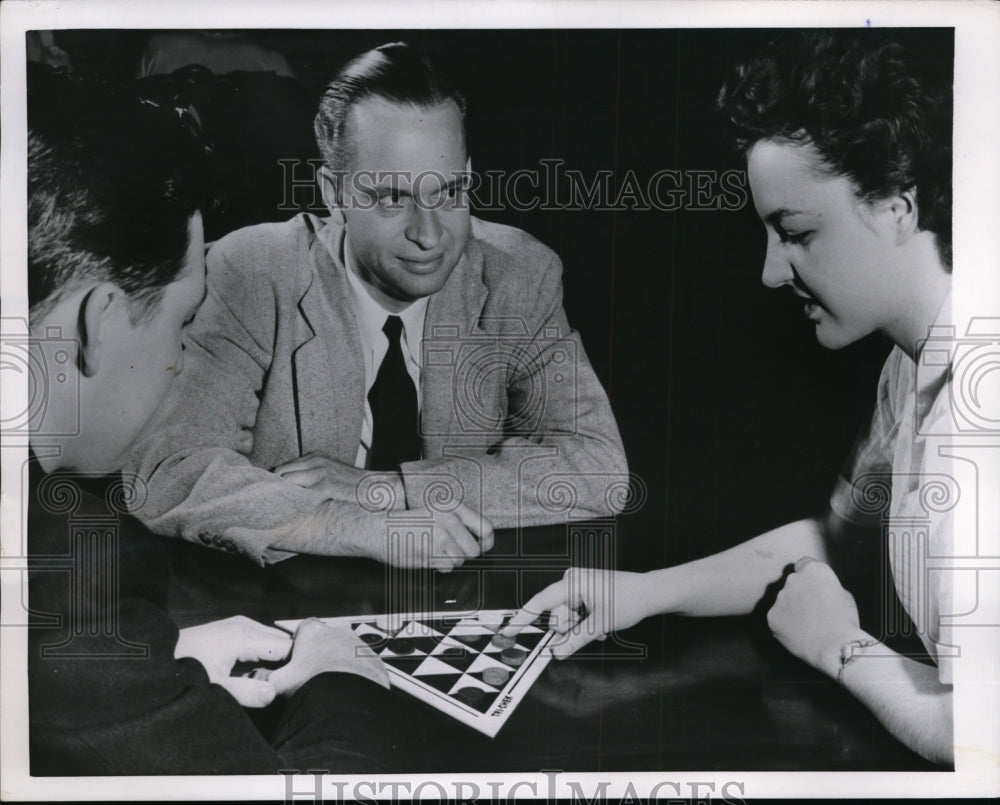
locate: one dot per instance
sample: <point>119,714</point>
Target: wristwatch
<point>852,649</point>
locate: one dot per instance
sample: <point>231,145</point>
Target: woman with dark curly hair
<point>847,138</point>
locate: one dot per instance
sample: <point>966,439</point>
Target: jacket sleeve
<point>193,458</point>
<point>560,453</point>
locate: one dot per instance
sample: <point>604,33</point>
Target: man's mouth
<point>419,264</point>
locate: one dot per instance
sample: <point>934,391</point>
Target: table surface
<point>669,694</point>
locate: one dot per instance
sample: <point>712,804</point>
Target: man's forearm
<point>733,581</point>
<point>525,483</point>
<point>334,528</point>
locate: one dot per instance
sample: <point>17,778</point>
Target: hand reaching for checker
<point>610,601</point>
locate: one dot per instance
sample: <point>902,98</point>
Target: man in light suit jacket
<point>397,355</point>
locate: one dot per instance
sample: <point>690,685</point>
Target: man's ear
<point>332,190</point>
<point>905,217</point>
<point>94,324</point>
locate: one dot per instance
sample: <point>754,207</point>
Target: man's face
<point>137,365</point>
<point>407,221</point>
<point>836,252</point>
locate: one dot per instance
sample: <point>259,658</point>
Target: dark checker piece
<point>401,646</point>
<point>513,656</point>
<point>472,696</point>
<point>371,638</point>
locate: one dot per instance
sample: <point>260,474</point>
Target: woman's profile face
<point>839,255</point>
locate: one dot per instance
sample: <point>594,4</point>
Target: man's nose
<point>777,269</point>
<point>424,228</point>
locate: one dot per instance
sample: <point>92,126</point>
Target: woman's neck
<point>924,289</point>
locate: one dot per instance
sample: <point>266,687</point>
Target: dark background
<point>733,416</point>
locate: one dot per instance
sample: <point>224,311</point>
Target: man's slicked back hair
<point>395,72</point>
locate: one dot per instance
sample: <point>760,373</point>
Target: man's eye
<point>392,201</point>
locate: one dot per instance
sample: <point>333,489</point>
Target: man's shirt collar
<point>372,316</point>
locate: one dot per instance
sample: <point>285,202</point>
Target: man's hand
<point>813,616</point>
<point>613,601</point>
<point>320,647</point>
<point>219,645</point>
<point>442,540</point>
<point>453,537</point>
<point>334,479</point>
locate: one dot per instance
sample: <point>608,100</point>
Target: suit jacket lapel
<point>452,316</point>
<point>329,369</point>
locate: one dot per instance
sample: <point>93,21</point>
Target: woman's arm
<point>733,581</point>
<point>817,620</point>
<point>728,583</point>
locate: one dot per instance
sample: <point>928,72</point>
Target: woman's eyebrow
<point>776,216</point>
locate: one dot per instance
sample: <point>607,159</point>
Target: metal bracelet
<point>847,653</point>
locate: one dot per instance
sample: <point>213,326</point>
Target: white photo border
<point>976,292</point>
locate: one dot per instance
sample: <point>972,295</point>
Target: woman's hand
<point>612,601</point>
<point>814,616</point>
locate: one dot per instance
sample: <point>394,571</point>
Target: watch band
<point>851,650</point>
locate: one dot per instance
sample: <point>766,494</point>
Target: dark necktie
<point>393,399</point>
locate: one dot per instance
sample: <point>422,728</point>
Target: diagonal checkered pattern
<point>453,663</point>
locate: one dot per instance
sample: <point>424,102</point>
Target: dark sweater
<point>106,695</point>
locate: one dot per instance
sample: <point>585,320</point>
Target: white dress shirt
<point>371,318</point>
